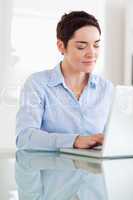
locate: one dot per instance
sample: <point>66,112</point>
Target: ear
<point>60,46</point>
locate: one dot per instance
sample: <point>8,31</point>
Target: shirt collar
<point>93,80</point>
<point>57,78</point>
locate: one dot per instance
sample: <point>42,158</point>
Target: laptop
<point>118,141</point>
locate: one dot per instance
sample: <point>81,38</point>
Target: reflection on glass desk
<point>51,176</point>
<point>55,176</point>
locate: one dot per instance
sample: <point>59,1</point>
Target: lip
<point>88,62</point>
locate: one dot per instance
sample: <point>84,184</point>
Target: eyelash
<point>96,46</point>
<point>81,48</point>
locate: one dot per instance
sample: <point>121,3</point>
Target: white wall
<point>115,40</point>
<point>114,33</point>
<point>128,74</point>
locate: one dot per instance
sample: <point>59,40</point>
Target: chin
<point>89,69</point>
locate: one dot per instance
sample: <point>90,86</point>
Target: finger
<point>92,143</point>
<point>98,138</point>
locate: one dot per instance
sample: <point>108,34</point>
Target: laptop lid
<point>119,131</point>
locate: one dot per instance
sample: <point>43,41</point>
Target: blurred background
<point>28,44</point>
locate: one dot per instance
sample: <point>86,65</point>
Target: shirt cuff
<point>65,140</point>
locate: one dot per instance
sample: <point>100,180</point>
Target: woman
<point>67,106</point>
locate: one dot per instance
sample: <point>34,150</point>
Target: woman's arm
<point>29,119</point>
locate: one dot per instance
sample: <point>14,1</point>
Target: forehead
<point>87,33</point>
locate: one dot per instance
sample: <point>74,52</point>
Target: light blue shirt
<point>50,116</point>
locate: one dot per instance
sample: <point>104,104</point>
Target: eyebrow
<point>84,42</point>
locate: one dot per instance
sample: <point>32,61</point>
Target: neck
<point>72,76</point>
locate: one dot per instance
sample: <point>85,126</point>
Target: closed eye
<point>80,48</point>
<point>96,45</point>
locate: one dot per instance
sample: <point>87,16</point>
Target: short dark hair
<point>71,22</point>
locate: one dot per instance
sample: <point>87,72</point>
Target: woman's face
<point>82,49</point>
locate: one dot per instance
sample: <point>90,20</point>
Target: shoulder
<point>36,83</point>
<point>40,77</point>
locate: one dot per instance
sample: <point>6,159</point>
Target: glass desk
<point>32,175</point>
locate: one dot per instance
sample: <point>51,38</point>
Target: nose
<point>90,51</point>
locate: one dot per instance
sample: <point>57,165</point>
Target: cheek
<point>75,56</point>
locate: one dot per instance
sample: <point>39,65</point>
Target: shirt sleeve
<point>29,134</point>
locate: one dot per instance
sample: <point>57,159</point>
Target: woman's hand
<point>85,142</point>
